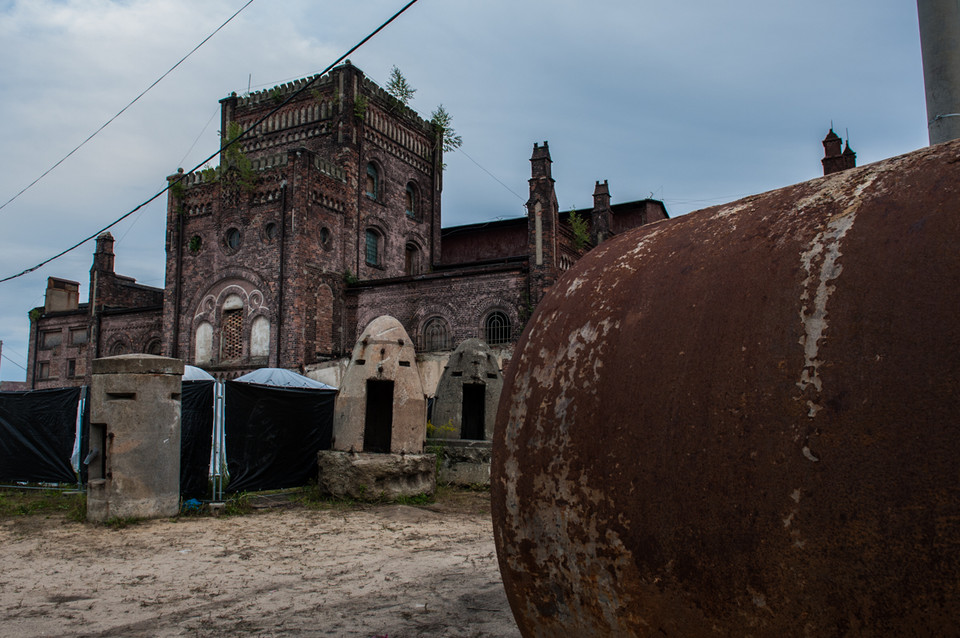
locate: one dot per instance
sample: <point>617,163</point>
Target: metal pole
<point>940,49</point>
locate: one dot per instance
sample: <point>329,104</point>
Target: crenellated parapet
<point>281,92</point>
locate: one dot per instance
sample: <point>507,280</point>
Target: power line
<point>460,150</point>
<point>120,112</point>
<point>225,146</point>
<point>13,362</point>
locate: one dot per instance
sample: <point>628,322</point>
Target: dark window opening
<point>373,248</point>
<point>373,182</point>
<point>153,347</point>
<point>473,416</point>
<point>378,422</point>
<point>491,375</point>
<point>232,239</point>
<point>458,373</point>
<point>411,201</point>
<point>43,370</point>
<point>50,339</point>
<point>435,335</point>
<point>71,368</point>
<point>271,231</point>
<point>325,237</point>
<point>411,260</point>
<point>498,329</point>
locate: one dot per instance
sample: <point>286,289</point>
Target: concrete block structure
<point>381,406</point>
<point>134,459</point>
<point>468,394</point>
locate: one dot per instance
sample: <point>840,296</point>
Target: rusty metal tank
<point>746,421</point>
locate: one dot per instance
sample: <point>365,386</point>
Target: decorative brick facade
<point>322,218</point>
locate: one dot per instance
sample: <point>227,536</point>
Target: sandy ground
<point>387,571</point>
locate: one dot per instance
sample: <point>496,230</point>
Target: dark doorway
<point>378,427</point>
<point>473,417</point>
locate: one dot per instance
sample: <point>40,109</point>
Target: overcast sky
<point>694,103</point>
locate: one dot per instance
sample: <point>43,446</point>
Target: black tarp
<point>196,436</point>
<point>273,434</point>
<point>37,432</point>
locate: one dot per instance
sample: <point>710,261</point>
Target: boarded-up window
<point>260,337</point>
<point>411,260</point>
<point>78,336</point>
<point>324,319</point>
<point>204,344</point>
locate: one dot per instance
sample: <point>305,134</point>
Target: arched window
<point>231,328</point>
<point>117,349</point>
<point>436,335</point>
<point>373,181</point>
<point>411,200</point>
<point>260,337</point>
<point>497,328</point>
<point>411,259</point>
<point>203,349</point>
<point>153,347</point>
<point>372,247</point>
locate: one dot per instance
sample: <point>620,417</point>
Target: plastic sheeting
<point>37,431</point>
<point>279,377</point>
<point>193,373</point>
<point>273,434</point>
<point>196,433</point>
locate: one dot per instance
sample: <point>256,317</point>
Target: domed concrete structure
<point>746,420</point>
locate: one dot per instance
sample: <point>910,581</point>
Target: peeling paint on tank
<point>641,492</point>
<point>821,264</point>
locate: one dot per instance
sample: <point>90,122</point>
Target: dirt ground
<point>391,571</point>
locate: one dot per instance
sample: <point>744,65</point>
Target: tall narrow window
<point>260,337</point>
<point>203,349</point>
<point>411,200</point>
<point>373,182</point>
<point>436,335</point>
<point>411,260</point>
<point>497,328</point>
<point>231,334</point>
<point>373,247</point>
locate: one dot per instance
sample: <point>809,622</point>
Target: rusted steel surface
<point>746,421</point>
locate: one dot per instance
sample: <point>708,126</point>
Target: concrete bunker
<point>134,451</point>
<point>468,394</point>
<point>464,414</point>
<point>380,421</point>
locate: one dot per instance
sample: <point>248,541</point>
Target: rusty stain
<point>746,421</point>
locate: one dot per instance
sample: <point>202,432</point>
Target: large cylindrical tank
<point>746,421</point>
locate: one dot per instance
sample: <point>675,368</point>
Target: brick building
<point>120,317</point>
<point>325,216</point>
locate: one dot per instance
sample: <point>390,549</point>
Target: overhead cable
<point>224,147</point>
<point>120,112</point>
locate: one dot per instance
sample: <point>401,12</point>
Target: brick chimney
<point>600,215</point>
